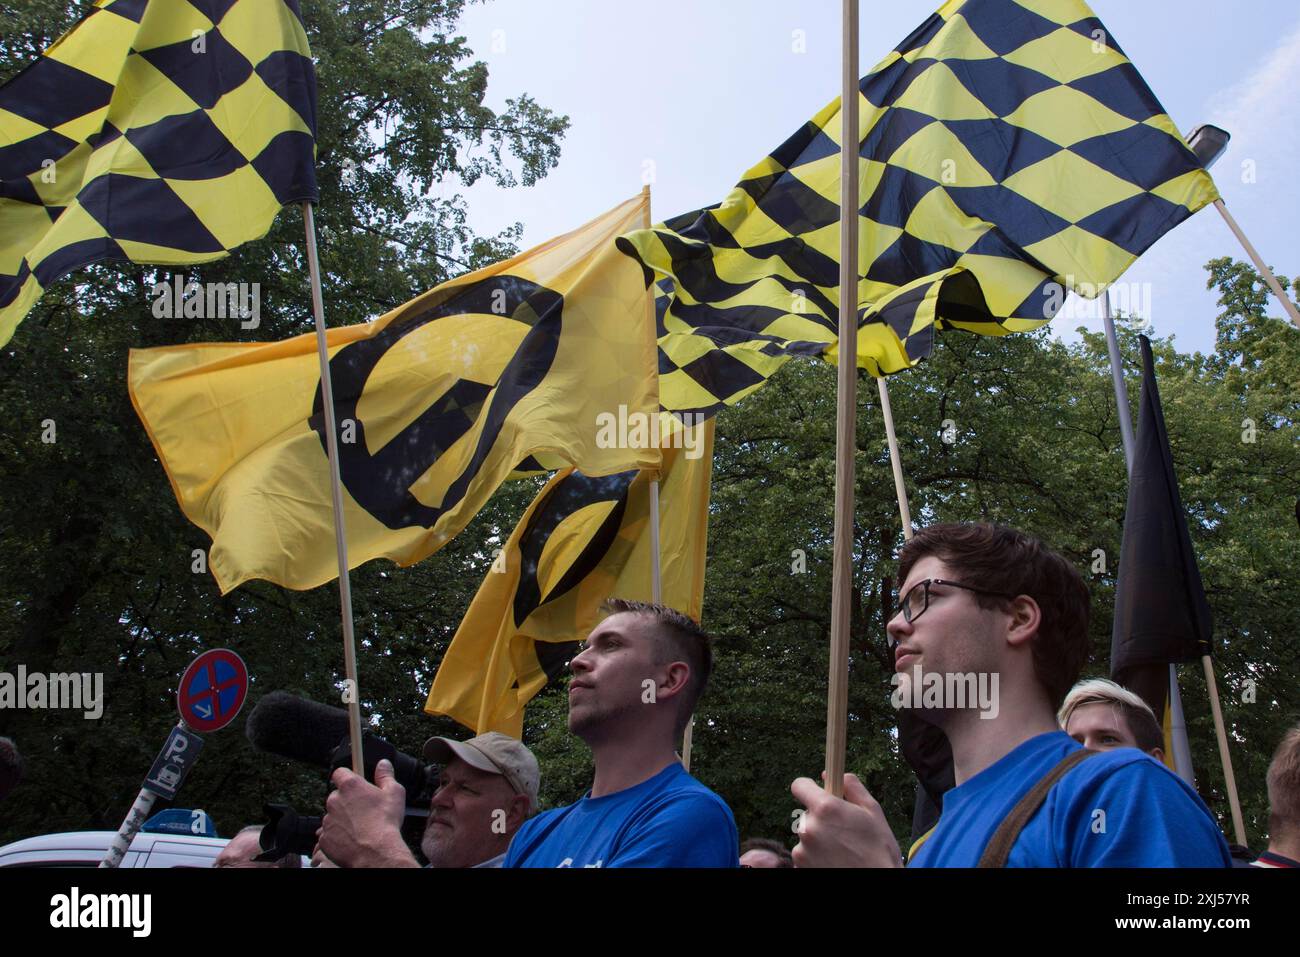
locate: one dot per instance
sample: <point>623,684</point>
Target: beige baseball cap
<point>495,753</point>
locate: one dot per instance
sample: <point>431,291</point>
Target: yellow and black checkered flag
<point>1010,151</point>
<point>159,131</point>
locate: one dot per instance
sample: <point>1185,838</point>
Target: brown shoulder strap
<point>999,846</point>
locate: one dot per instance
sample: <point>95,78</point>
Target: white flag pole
<point>352,696</point>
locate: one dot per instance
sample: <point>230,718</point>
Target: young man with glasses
<point>987,600</point>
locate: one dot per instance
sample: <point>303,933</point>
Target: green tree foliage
<point>95,573</point>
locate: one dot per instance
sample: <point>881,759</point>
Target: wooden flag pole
<point>1264,271</point>
<point>1238,823</point>
<point>837,699</point>
<point>900,488</point>
<point>352,696</point>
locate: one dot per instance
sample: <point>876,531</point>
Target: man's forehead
<point>624,623</point>
<point>928,567</point>
<point>1097,716</point>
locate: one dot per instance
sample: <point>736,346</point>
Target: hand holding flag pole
<point>837,702</point>
<point>846,418</point>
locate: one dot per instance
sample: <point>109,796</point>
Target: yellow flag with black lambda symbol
<point>156,131</point>
<point>583,540</point>
<point>436,404</point>
<point>1010,152</point>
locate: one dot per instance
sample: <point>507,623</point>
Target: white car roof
<point>101,839</point>
<point>88,848</point>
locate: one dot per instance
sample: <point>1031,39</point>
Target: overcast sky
<point>697,91</point>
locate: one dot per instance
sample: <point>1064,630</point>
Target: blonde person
<point>1101,715</point>
<point>1284,805</point>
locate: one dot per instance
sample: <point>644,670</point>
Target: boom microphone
<point>302,730</point>
<point>11,767</point>
<point>291,727</point>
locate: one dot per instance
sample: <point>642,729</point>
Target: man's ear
<point>676,677</point>
<point>517,813</point>
<point>1026,617</point>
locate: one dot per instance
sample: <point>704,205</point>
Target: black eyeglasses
<point>917,599</point>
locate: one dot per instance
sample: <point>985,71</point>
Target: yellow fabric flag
<point>436,404</point>
<point>158,132</point>
<point>583,540</point>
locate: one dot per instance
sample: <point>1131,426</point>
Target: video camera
<point>292,727</point>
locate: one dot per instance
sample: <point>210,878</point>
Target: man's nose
<point>898,627</point>
<point>580,664</point>
<point>441,797</point>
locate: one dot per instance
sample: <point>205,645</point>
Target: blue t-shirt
<point>1119,808</point>
<point>670,820</point>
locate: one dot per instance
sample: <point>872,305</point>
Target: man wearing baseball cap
<point>487,788</point>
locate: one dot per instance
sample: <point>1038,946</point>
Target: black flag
<point>1161,615</point>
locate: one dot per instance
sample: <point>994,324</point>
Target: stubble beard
<point>596,722</point>
<point>429,846</point>
<point>434,845</point>
<point>582,719</point>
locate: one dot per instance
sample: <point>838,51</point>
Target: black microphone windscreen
<point>296,728</point>
<point>11,766</point>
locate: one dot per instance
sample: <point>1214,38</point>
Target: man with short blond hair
<point>1284,804</point>
<point>1100,715</point>
<point>634,687</point>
